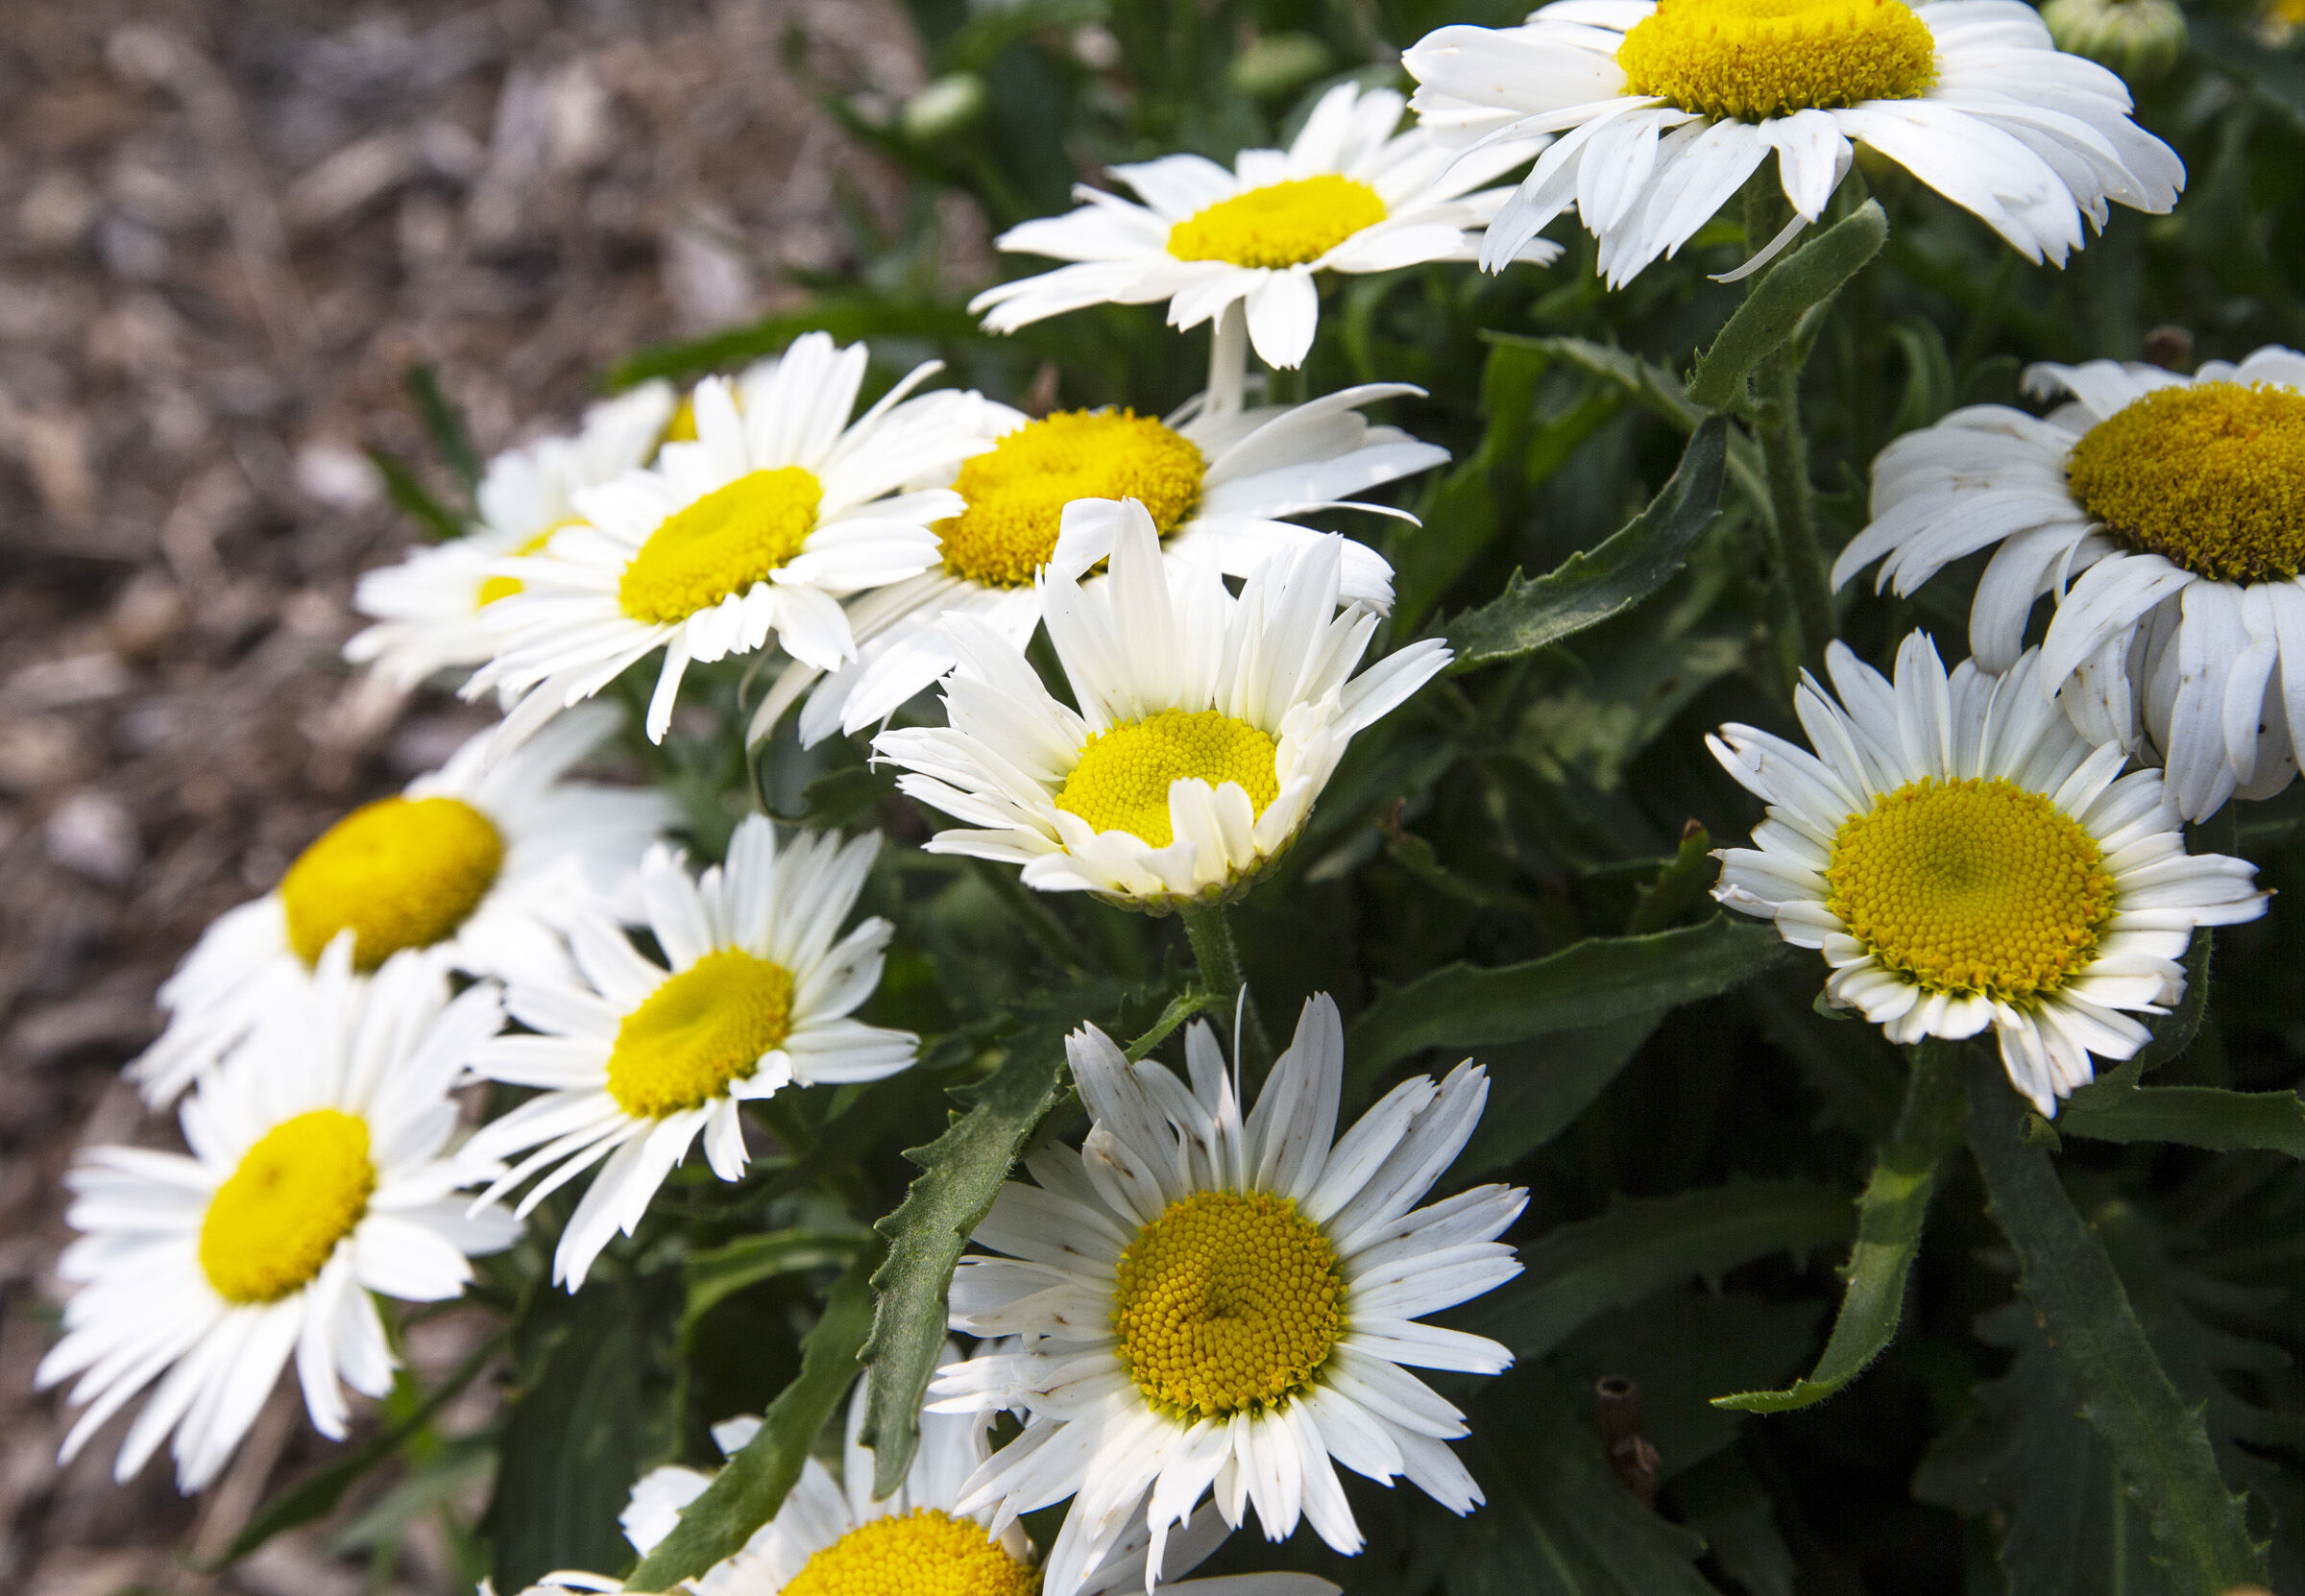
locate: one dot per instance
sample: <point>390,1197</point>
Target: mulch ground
<point>228,228</point>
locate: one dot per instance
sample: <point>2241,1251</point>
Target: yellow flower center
<point>397,873</point>
<point>1017,489</point>
<point>2210,476</point>
<point>1282,224</point>
<point>1227,1300</point>
<point>1121,782</point>
<point>721,545</point>
<point>504,587</point>
<point>1756,58</point>
<point>279,1215</point>
<point>926,1551</point>
<point>704,1027</point>
<point>1971,886</point>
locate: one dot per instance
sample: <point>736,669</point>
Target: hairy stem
<point>1219,957</point>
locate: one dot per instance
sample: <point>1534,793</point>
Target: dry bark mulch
<point>228,228</point>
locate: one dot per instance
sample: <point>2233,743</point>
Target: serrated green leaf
<point>2115,1108</point>
<point>1646,1244</point>
<point>747,1492</point>
<point>2066,1527</point>
<point>1660,393</point>
<point>1589,587</point>
<point>1794,285</point>
<point>1536,1092</point>
<point>2159,1445</point>
<point>717,1274</point>
<point>1890,1217</point>
<point>593,1411</point>
<point>1559,1522</point>
<point>962,1172</point>
<point>316,1495</point>
<point>1594,982</point>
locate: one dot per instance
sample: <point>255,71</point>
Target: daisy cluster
<point>1145,661</point>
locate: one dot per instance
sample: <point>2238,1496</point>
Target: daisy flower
<point>1208,726</point>
<point>1213,1303</point>
<point>779,508</point>
<point>636,1059</point>
<point>1221,486</point>
<point>831,1536</point>
<point>1665,110</point>
<point>315,1178</point>
<point>2180,505</point>
<point>1349,195</point>
<point>1965,858</point>
<point>479,865</point>
<point>434,609</point>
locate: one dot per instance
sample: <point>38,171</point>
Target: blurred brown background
<point>226,229</point>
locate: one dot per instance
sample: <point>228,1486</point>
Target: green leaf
<point>593,1411</point>
<point>962,1172</point>
<point>1589,587</point>
<point>847,317</point>
<point>1806,279</point>
<point>1486,495</point>
<point>2025,1456</point>
<point>1660,394</point>
<point>413,499</point>
<point>1644,1244</point>
<point>2115,1108</point>
<point>443,426</point>
<point>717,1274</point>
<point>1890,1217</point>
<point>2159,1445</point>
<point>316,1495</point>
<point>1536,1091</point>
<point>1679,883</point>
<point>1594,982</point>
<point>747,1492</point>
<point>1559,1522</point>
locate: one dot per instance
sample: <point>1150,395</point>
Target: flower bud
<point>944,108</point>
<point>2141,39</point>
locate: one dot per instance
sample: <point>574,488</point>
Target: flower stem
<point>1218,957</point>
<point>1775,423</point>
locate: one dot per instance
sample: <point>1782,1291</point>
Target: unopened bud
<point>944,108</point>
<point>2141,39</point>
<point>1277,62</point>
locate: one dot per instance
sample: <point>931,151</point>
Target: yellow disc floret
<point>397,873</point>
<point>1121,782</point>
<point>281,1213</point>
<point>1017,489</point>
<point>2210,476</point>
<point>504,587</point>
<point>722,543</point>
<point>1756,58</point>
<point>1282,224</point>
<point>1974,887</point>
<point>704,1027</point>
<point>926,1551</point>
<point>1228,1301</point>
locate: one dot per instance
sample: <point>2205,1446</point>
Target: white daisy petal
<point>1995,870</point>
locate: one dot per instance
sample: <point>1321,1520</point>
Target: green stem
<point>2160,1445</point>
<point>1776,424</point>
<point>1219,957</point>
<point>1793,528</point>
